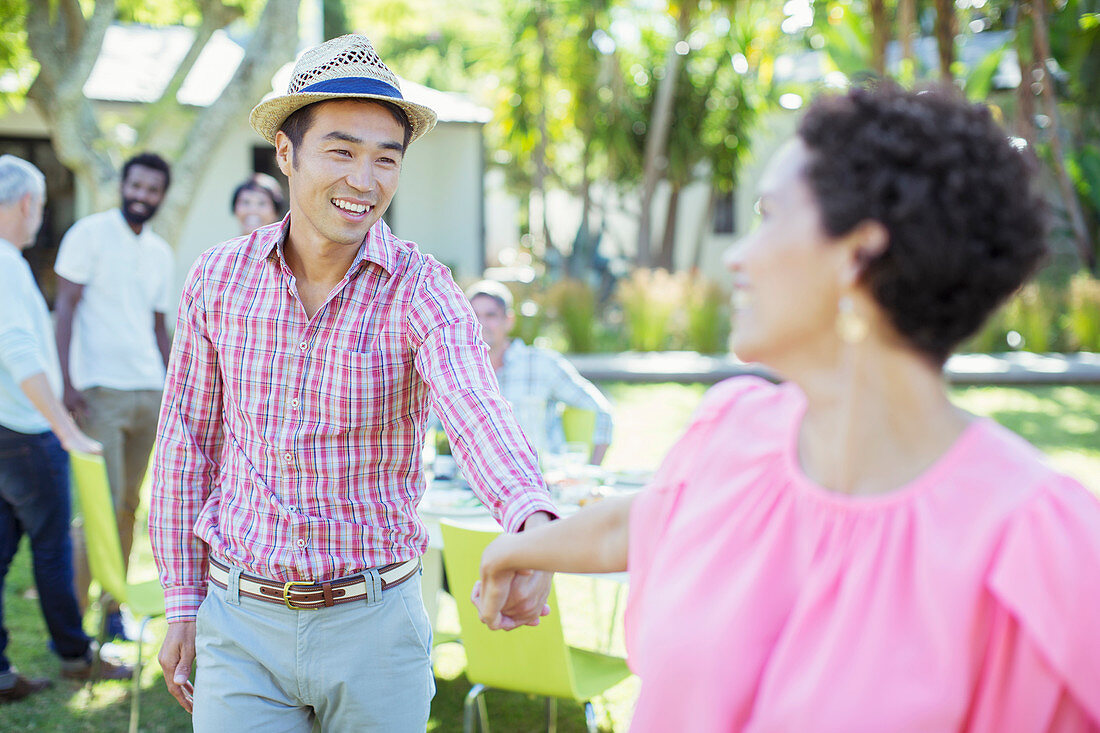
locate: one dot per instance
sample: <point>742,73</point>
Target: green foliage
<point>17,67</point>
<point>979,81</point>
<point>530,313</point>
<point>1057,312</point>
<point>649,300</point>
<point>683,311</point>
<point>1083,313</point>
<point>706,310</point>
<point>574,304</point>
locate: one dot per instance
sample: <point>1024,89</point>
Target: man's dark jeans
<point>34,499</point>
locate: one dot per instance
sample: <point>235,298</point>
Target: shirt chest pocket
<point>355,387</point>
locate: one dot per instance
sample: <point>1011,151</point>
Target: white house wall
<point>439,202</point>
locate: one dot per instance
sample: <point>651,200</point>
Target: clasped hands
<point>507,598</point>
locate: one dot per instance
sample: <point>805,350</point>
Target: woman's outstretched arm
<point>594,540</point>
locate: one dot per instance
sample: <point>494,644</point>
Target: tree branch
<point>272,44</point>
<point>215,16</point>
<point>74,22</point>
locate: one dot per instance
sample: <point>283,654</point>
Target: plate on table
<point>631,478</point>
<point>453,502</point>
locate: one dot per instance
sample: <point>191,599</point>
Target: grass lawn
<point>1062,421</point>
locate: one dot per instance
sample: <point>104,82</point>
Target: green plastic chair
<point>578,425</point>
<point>145,600</point>
<point>532,659</point>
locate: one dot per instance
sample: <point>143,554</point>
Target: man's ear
<point>26,205</point>
<point>284,153</point>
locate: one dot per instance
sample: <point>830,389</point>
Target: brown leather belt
<point>307,595</point>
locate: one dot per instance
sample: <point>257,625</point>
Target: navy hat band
<point>353,85</point>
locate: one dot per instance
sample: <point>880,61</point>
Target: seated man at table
<point>537,382</point>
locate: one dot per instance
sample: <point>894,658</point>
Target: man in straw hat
<point>287,470</point>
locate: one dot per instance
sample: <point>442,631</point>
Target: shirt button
<point>294,402</point>
<point>288,457</point>
<point>293,509</point>
<point>303,346</point>
<point>301,543</point>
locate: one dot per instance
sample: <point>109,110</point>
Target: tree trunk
<point>880,34</point>
<point>656,143</point>
<point>582,243</point>
<point>946,28</point>
<point>540,229</point>
<point>668,241</point>
<point>907,22</point>
<point>1037,9</point>
<point>705,230</point>
<point>1025,93</point>
<point>74,129</point>
<point>58,93</point>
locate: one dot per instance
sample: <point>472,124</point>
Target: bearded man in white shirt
<point>114,289</point>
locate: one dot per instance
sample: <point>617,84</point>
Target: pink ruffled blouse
<point>966,600</point>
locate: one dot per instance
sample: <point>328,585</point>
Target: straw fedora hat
<point>343,68</point>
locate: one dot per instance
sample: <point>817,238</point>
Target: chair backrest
<point>89,477</point>
<point>531,659</point>
<point>578,425</point>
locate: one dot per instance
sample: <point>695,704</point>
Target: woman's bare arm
<point>594,540</point>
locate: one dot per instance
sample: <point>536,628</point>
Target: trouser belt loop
<point>374,587</point>
<point>233,587</point>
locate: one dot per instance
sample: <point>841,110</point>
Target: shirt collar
<point>6,246</point>
<point>514,350</point>
<point>125,225</point>
<point>378,246</point>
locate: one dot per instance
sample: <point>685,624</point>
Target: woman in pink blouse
<point>849,551</point>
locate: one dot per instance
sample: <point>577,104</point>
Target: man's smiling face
<point>345,171</point>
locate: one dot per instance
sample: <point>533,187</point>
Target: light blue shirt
<point>538,383</point>
<point>27,345</point>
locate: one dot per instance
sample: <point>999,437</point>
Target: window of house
<point>60,212</point>
<point>725,220</point>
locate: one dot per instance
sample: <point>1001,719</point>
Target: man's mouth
<point>352,208</point>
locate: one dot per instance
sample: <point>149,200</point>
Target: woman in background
<point>849,551</point>
<point>257,202</point>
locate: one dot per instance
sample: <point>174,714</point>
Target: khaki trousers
<point>125,422</point>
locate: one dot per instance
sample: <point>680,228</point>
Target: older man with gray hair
<point>35,433</point>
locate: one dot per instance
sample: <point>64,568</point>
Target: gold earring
<point>850,326</point>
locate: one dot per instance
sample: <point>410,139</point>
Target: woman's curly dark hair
<point>965,222</point>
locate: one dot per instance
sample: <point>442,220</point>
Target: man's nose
<point>362,178</point>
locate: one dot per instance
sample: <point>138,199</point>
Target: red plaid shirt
<point>291,447</point>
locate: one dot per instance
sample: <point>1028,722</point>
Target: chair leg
<point>474,698</point>
<point>93,673</point>
<point>590,718</point>
<point>483,714</point>
<point>551,715</point>
<point>135,693</point>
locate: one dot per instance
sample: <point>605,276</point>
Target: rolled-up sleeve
<point>188,448</point>
<point>453,361</point>
<point>572,389</point>
<point>20,353</point>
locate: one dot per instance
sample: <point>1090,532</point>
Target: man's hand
<point>77,442</point>
<point>507,597</point>
<point>177,656</point>
<point>74,402</point>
